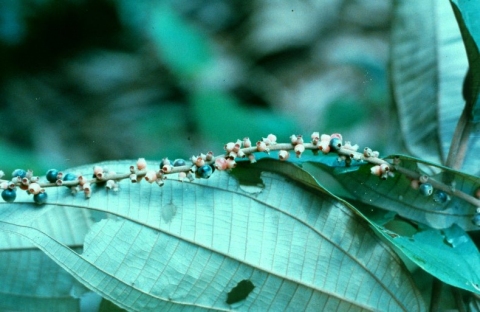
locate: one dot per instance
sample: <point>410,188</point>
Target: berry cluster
<point>203,166</point>
<point>24,180</point>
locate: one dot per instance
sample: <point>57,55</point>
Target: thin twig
<point>459,144</point>
<point>342,151</point>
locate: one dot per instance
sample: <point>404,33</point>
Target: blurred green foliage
<point>91,80</point>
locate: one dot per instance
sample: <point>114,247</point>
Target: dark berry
<point>19,173</point>
<point>440,197</point>
<point>426,189</point>
<point>204,172</point>
<point>40,198</point>
<point>179,163</point>
<point>69,177</point>
<point>9,195</point>
<point>335,144</point>
<point>52,175</point>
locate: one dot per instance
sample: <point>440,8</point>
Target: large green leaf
<point>468,17</point>
<point>396,194</point>
<point>428,65</point>
<point>187,245</point>
<point>448,254</point>
<point>30,281</point>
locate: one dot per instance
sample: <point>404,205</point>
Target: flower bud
<point>229,146</point>
<point>199,162</point>
<point>325,137</point>
<point>133,178</point>
<point>385,168</point>
<point>376,170</point>
<point>98,171</point>
<point>231,163</point>
<point>283,155</point>
<point>293,139</point>
<point>336,136</point>
<point>299,149</point>
<point>34,188</point>
<point>324,146</point>
<point>272,138</point>
<point>261,146</point>
<point>167,168</point>
<point>181,176</point>
<point>151,176</point>
<point>209,156</point>
<point>221,163</point>
<point>246,142</point>
<point>141,164</point>
<point>110,184</point>
<point>87,190</point>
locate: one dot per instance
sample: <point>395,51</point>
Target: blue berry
<point>40,198</point>
<point>440,197</point>
<point>9,195</point>
<point>69,177</point>
<point>52,175</point>
<point>426,189</point>
<point>19,173</point>
<point>204,172</point>
<point>335,144</point>
<point>179,163</point>
<point>476,219</point>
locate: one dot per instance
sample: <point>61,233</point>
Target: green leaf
<point>221,117</point>
<point>428,65</point>
<point>182,47</point>
<point>67,225</point>
<point>396,194</point>
<point>468,17</point>
<point>450,255</point>
<point>30,281</point>
<point>447,254</point>
<point>300,248</point>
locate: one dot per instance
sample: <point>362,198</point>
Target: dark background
<point>90,80</point>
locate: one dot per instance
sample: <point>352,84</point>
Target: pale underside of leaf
<point>428,64</point>
<point>300,250</point>
<point>30,281</point>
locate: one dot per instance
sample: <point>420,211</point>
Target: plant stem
<point>435,295</point>
<point>342,151</point>
<point>461,136</point>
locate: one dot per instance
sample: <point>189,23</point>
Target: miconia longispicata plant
<point>307,222</point>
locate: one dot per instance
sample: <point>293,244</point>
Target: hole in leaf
<point>240,292</point>
<point>250,180</point>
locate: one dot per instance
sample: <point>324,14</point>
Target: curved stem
<point>461,136</point>
<point>342,151</point>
